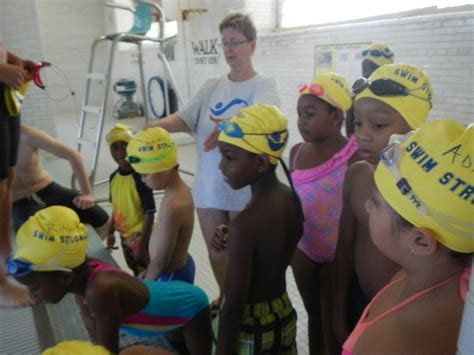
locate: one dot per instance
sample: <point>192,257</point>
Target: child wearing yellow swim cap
<point>50,259</point>
<point>264,235</point>
<point>153,154</point>
<point>395,99</point>
<point>133,204</point>
<point>318,166</point>
<point>420,216</point>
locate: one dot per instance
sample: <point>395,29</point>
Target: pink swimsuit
<point>362,326</point>
<point>320,191</point>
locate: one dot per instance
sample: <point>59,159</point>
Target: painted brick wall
<point>19,28</point>
<point>442,44</point>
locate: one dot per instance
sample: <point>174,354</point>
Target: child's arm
<point>237,285</point>
<point>44,141</point>
<point>344,262</point>
<point>167,231</point>
<point>141,255</point>
<point>111,234</point>
<point>104,304</point>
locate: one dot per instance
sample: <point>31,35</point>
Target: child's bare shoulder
<point>358,171</point>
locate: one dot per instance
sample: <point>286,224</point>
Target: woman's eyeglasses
<point>385,87</point>
<point>376,53</point>
<point>231,43</point>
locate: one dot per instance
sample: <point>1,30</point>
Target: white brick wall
<point>443,44</point>
<point>20,32</point>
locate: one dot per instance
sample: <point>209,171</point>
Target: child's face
<point>45,286</point>
<point>156,181</point>
<point>368,67</point>
<point>381,223</point>
<point>118,149</point>
<point>374,123</point>
<point>315,123</point>
<point>237,165</point>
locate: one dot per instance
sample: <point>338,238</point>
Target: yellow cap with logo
<point>120,132</point>
<point>378,53</point>
<point>413,103</point>
<point>331,88</point>
<point>76,347</point>
<point>427,177</point>
<point>152,151</point>
<point>52,239</point>
<point>257,129</point>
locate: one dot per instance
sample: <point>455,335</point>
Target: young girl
<point>318,166</point>
<point>420,216</point>
<point>50,260</point>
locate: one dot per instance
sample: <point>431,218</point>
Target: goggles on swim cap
<point>390,157</point>
<point>376,53</point>
<point>133,159</point>
<point>385,87</point>
<point>16,267</point>
<point>318,90</point>
<point>233,130</point>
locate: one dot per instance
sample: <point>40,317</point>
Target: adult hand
<point>219,240</point>
<point>12,75</point>
<point>29,65</point>
<point>211,140</point>
<point>84,202</point>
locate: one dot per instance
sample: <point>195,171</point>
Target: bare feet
<point>14,294</point>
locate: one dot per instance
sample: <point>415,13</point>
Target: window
<point>296,13</point>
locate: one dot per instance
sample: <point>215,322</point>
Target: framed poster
<point>344,59</point>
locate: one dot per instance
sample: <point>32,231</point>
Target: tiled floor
<point>66,127</point>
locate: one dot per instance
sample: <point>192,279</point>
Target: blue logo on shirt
<point>219,109</point>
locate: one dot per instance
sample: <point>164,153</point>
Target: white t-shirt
<point>222,98</point>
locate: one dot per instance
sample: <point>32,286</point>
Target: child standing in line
<point>421,217</point>
<point>133,204</point>
<point>257,316</point>
<point>153,154</point>
<point>50,260</point>
<point>395,99</point>
<point>318,166</point>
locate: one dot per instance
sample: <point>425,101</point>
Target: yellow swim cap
<point>331,88</point>
<point>52,239</point>
<point>152,151</point>
<point>401,86</point>
<point>76,347</point>
<point>257,129</point>
<point>120,132</point>
<point>427,176</point>
<point>378,53</point>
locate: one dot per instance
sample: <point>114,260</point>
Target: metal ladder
<point>136,36</point>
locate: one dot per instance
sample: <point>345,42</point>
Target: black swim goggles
<point>385,87</point>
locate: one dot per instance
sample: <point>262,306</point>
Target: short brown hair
<point>241,23</point>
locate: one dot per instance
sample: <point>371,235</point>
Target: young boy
<point>257,315</point>
<point>33,188</point>
<point>395,99</point>
<point>153,154</point>
<point>133,204</point>
<point>50,260</point>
